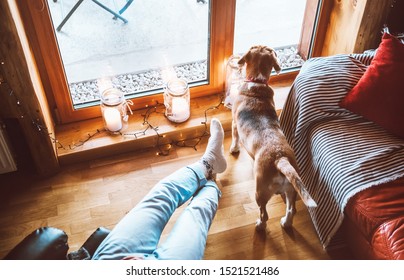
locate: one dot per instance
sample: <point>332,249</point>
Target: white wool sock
<point>213,159</point>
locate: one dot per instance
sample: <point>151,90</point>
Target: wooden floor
<point>97,193</point>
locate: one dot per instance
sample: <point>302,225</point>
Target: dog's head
<point>260,60</point>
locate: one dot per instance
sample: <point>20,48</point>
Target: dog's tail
<point>284,166</point>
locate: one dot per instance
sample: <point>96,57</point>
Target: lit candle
<point>180,109</point>
<point>112,119</point>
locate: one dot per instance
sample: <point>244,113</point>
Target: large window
<point>137,53</point>
<point>83,47</point>
<point>274,23</point>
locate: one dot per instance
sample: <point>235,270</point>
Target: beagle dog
<point>255,126</point>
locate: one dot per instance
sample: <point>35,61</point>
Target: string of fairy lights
<point>159,108</point>
<point>190,143</point>
<point>22,114</point>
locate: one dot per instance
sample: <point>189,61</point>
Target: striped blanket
<point>338,153</point>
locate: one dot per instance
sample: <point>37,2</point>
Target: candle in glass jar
<point>235,75</point>
<point>180,109</point>
<point>112,118</point>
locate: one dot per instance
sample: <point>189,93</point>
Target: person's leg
<point>187,240</point>
<point>140,230</point>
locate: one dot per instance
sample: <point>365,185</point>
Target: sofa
<point>374,222</point>
<point>344,119</point>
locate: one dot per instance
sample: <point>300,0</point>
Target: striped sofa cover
<point>351,166</point>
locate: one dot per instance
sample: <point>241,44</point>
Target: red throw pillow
<point>379,94</point>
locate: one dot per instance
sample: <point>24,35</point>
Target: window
<point>275,23</point>
<point>137,53</point>
<point>187,34</point>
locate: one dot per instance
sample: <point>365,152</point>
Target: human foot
<point>213,159</point>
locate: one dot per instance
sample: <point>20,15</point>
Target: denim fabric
<point>138,233</point>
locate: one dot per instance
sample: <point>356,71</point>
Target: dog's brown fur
<point>256,126</point>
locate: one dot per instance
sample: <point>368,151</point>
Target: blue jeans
<point>138,233</point>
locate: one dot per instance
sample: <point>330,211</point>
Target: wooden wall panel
<point>343,26</point>
<point>355,25</point>
<point>374,17</point>
<point>21,91</point>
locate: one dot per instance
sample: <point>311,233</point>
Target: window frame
<point>41,34</point>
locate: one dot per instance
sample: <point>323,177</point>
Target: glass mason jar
<point>113,108</point>
<point>235,75</point>
<point>176,100</point>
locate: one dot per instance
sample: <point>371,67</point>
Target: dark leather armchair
<point>49,243</point>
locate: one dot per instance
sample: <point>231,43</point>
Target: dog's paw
<point>234,149</point>
<point>286,223</point>
<point>259,225</point>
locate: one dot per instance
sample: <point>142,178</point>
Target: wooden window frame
<point>41,34</point>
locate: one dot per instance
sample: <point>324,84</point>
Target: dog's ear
<point>276,65</point>
<point>244,58</point>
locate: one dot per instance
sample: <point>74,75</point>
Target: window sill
<point>87,140</point>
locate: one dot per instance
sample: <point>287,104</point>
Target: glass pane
<point>274,23</point>
<point>137,52</point>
